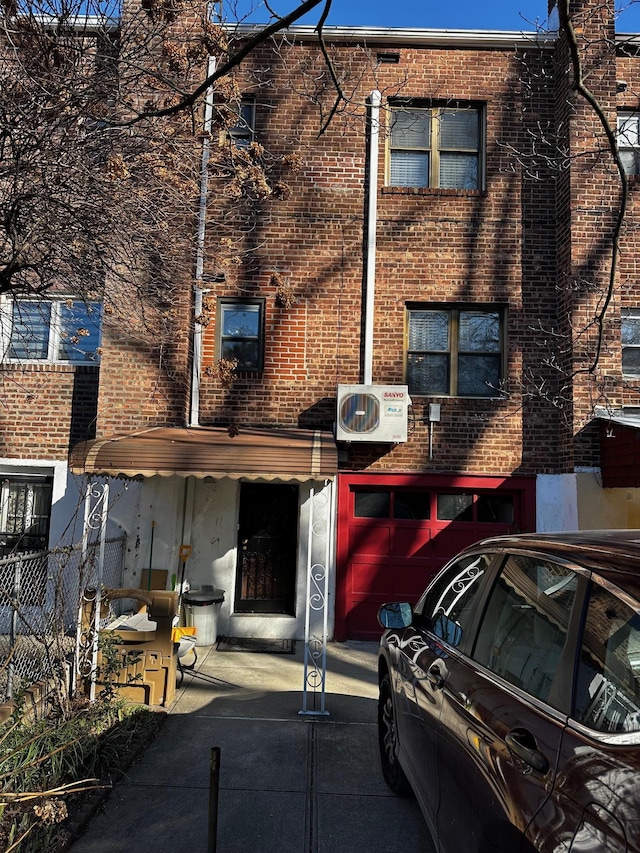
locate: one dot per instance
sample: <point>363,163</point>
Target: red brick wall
<point>589,194</point>
<point>490,246</point>
<point>36,406</point>
<point>144,381</point>
<point>534,240</point>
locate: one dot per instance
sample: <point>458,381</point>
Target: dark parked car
<point>510,695</point>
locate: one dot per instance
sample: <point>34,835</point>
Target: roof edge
<point>503,39</point>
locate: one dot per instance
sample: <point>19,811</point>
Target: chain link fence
<point>40,593</point>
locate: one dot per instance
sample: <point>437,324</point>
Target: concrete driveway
<point>289,782</point>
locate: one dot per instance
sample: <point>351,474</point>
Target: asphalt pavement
<point>289,782</point>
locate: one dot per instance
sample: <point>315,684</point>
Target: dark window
<point>411,505</point>
<point>489,508</point>
<point>456,351</point>
<point>242,132</point>
<point>25,508</point>
<point>435,146</point>
<point>524,626</point>
<point>372,504</point>
<point>607,687</point>
<point>397,504</point>
<point>456,507</point>
<point>241,332</point>
<point>495,508</point>
<point>55,330</point>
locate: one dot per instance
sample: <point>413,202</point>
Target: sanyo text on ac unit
<point>375,413</point>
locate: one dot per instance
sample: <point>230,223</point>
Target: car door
<point>503,711</point>
<point>595,804</point>
<point>422,657</point>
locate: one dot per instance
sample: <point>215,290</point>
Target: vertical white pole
<point>307,614</point>
<point>95,517</point>
<point>194,414</point>
<point>315,648</point>
<point>98,599</point>
<point>372,220</point>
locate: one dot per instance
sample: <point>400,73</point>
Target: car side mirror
<point>396,615</point>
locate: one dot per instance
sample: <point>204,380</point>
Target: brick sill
<point>47,367</point>
<point>433,191</point>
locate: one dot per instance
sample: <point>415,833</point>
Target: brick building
<point>425,280</point>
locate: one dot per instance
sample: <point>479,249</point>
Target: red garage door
<point>396,531</point>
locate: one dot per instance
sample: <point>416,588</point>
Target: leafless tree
<point>101,138</point>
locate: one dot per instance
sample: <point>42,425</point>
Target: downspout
<point>199,290</point>
<point>370,248</point>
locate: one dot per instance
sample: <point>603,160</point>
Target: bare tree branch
<point>223,70</point>
<point>579,85</point>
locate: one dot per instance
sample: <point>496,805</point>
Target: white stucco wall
<point>204,514</point>
<point>556,502</point>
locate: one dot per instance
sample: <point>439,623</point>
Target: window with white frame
<point>242,132</point>
<point>25,510</point>
<point>435,146</point>
<point>240,330</point>
<point>629,142</point>
<point>630,333</point>
<point>455,350</point>
<point>54,330</point>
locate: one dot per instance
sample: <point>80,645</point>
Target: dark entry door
<point>267,548</point>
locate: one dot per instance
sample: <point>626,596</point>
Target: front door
<point>267,548</point>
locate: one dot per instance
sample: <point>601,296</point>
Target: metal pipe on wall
<point>375,100</point>
<point>199,291</point>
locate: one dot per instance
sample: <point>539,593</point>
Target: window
<point>407,505</point>
<point>372,504</point>
<point>25,507</point>
<point>455,507</point>
<point>525,623</point>
<point>411,505</point>
<point>489,508</point>
<point>608,684</point>
<point>64,330</point>
<point>629,142</point>
<point>242,132</point>
<point>631,341</point>
<point>435,146</point>
<point>241,332</point>
<point>455,351</point>
<point>448,605</point>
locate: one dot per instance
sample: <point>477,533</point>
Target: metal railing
<point>40,595</point>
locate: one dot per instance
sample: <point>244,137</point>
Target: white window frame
<point>628,137</point>
<point>633,314</point>
<point>56,331</point>
<point>434,148</point>
<point>32,481</point>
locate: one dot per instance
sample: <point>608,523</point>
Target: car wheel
<point>388,741</point>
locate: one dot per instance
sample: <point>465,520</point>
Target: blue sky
<point>463,14</point>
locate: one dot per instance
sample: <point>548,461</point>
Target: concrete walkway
<point>289,783</point>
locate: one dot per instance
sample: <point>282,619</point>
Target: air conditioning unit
<point>375,413</point>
